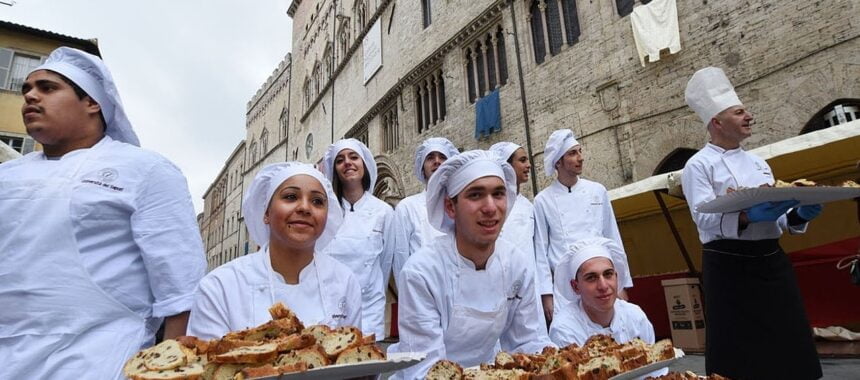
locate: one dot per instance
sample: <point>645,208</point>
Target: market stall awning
<point>827,156</point>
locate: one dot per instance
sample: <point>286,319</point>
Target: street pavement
<point>833,368</point>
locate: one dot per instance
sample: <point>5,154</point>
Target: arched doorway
<point>837,112</point>
<point>388,187</point>
<point>674,160</point>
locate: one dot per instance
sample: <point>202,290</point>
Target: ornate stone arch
<point>389,186</point>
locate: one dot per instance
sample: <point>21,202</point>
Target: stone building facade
<point>224,234</point>
<point>789,60</point>
<point>556,64</point>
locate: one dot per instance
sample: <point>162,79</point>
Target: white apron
<point>56,322</point>
<point>472,335</point>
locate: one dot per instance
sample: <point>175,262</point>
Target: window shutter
<point>5,67</point>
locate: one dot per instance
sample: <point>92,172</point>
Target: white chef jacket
<point>572,325</point>
<point>411,229</point>
<point>238,294</point>
<point>565,215</point>
<point>363,246</point>
<point>426,302</point>
<point>712,171</point>
<point>134,224</point>
<point>519,229</point>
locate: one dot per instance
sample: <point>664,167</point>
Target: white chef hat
<point>91,75</point>
<point>458,172</point>
<point>580,252</point>
<point>710,92</point>
<point>357,147</point>
<point>261,190</point>
<point>505,149</point>
<point>433,144</point>
<point>557,145</point>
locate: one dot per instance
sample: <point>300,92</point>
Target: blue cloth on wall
<point>488,115</point>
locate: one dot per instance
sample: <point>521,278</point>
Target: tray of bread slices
<point>804,191</point>
<point>282,348</point>
<point>688,375</point>
<point>600,358</point>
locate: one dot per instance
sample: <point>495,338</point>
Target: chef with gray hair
<point>756,323</point>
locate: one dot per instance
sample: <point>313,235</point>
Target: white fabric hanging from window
<point>655,27</point>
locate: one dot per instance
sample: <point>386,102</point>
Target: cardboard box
<point>686,313</point>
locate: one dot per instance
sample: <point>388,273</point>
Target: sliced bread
<point>263,353</point>
<point>313,357</point>
<point>166,355</point>
<point>360,354</point>
<point>190,372</point>
<point>445,370</point>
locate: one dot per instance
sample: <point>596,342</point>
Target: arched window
<point>252,151</point>
<point>552,23</point>
<point>360,15</point>
<point>425,13</point>
<point>283,121</point>
<point>486,65</point>
<point>316,79</point>
<point>674,160</point>
<point>839,111</point>
<point>264,142</point>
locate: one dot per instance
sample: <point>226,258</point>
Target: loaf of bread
<point>497,374</point>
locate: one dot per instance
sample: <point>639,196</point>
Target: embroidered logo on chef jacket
<point>596,201</point>
<point>763,169</point>
<point>342,307</point>
<point>103,178</point>
<point>515,290</point>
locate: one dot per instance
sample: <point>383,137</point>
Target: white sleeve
<point>610,231</point>
<point>165,229</point>
<point>542,231</point>
<point>525,331</point>
<point>544,275</point>
<point>698,190</point>
<point>401,230</point>
<point>559,333</point>
<point>419,323</point>
<point>208,319</point>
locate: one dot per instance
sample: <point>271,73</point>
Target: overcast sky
<point>185,69</point>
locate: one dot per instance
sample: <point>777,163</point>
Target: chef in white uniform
<point>743,266</point>
<point>99,239</point>
<point>466,292</point>
<point>571,208</point>
<point>519,225</point>
<point>291,209</point>
<point>361,242</point>
<point>411,229</point>
<point>586,281</point>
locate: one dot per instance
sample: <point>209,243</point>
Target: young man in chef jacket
<point>99,239</point>
<point>571,207</point>
<point>411,229</point>
<point>468,291</point>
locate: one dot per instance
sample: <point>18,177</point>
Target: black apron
<point>756,327</point>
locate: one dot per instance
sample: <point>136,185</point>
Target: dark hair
<point>81,95</point>
<point>338,186</point>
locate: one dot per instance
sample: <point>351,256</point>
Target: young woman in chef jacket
<point>362,242</point>
<point>292,212</point>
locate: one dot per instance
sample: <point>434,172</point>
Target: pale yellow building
<point>23,48</point>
